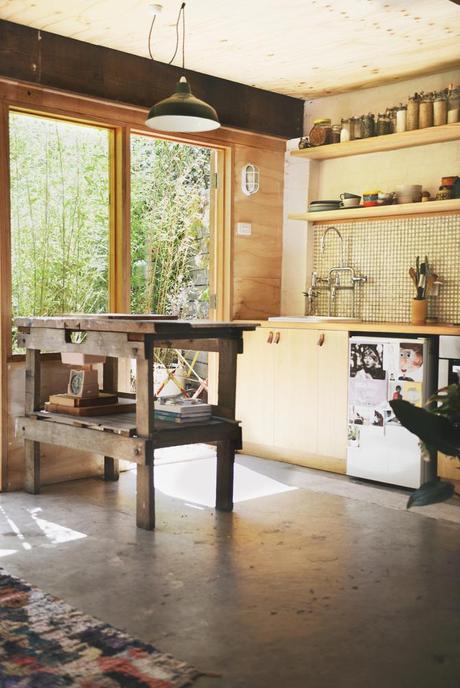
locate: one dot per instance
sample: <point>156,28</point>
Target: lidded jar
<point>383,125</point>
<point>357,128</point>
<point>335,135</point>
<point>440,108</point>
<point>321,132</point>
<point>401,118</point>
<point>345,131</point>
<point>426,111</point>
<point>413,107</point>
<point>453,105</point>
<point>367,125</point>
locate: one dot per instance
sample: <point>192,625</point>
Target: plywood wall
<point>257,258</point>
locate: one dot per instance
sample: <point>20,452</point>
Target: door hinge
<point>213,301</point>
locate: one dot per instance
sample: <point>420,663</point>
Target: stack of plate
<point>317,206</point>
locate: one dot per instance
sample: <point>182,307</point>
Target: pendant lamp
<point>181,112</point>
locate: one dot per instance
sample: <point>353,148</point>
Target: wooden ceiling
<point>303,48</point>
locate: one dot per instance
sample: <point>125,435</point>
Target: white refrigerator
<point>381,369</point>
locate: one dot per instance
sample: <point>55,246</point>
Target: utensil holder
<point>419,309</point>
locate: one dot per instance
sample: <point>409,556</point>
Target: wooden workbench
<point>131,436</point>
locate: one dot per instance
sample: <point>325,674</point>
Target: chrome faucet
<point>322,242</point>
<point>332,283</point>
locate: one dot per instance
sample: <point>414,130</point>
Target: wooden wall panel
<point>58,464</point>
<point>257,258</point>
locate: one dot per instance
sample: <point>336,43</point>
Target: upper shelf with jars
<point>427,118</point>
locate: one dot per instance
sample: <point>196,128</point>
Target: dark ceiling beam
<point>53,61</point>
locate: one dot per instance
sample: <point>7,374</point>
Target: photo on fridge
<point>366,361</point>
<point>411,361</point>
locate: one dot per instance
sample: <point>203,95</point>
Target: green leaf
<point>431,493</point>
<point>435,431</point>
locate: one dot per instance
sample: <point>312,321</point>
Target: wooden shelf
<point>408,139</point>
<point>380,211</point>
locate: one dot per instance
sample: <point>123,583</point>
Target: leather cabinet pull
<point>277,337</point>
<point>321,339</point>
<point>270,338</point>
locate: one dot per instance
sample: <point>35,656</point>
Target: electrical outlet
<point>243,228</point>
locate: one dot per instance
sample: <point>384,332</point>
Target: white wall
<point>327,179</point>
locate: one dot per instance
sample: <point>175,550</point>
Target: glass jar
<point>391,114</point>
<point>401,118</point>
<point>426,111</point>
<point>321,132</point>
<point>345,133</point>
<point>413,112</point>
<point>383,125</point>
<point>335,134</point>
<point>453,106</point>
<point>357,129</point>
<point>439,109</point>
<point>367,125</point>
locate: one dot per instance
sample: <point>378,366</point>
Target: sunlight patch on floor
<point>54,532</point>
<point>195,482</point>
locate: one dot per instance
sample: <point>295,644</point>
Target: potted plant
<point>438,428</point>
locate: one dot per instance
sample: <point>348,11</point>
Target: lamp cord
<point>150,37</point>
<point>181,12</point>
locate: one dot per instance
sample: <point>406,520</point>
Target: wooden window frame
<point>121,121</point>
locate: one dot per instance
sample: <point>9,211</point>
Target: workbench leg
<point>110,384</point>
<point>145,499</point>
<point>224,477</point>
<point>111,469</point>
<point>32,466</point>
<point>32,403</point>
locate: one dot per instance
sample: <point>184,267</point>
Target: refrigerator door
<point>381,369</point>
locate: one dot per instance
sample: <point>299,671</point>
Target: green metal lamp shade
<point>182,112</point>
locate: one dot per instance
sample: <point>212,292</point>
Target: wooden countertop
<point>434,328</point>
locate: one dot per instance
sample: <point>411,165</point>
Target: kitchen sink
<point>311,318</point>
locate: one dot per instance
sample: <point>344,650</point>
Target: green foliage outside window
<point>59,216</point>
<point>169,227</point>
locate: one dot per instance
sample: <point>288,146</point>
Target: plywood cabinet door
<point>296,388</point>
<point>332,366</point>
<point>255,388</point>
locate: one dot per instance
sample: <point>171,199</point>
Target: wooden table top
<point>142,324</point>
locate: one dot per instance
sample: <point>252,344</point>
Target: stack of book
<point>102,405</point>
<point>182,410</point>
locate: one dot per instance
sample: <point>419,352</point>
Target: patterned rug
<point>45,643</point>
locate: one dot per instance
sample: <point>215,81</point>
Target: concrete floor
<point>313,581</point>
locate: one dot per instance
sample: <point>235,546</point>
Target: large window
<point>60,216</point>
<point>170,203</point>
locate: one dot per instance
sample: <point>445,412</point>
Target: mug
<point>350,202</point>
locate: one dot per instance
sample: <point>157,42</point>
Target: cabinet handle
<point>321,339</point>
<point>270,338</point>
<point>277,338</point>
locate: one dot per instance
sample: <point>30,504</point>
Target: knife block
<point>419,310</point>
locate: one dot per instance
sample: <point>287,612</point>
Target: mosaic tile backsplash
<point>383,251</point>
